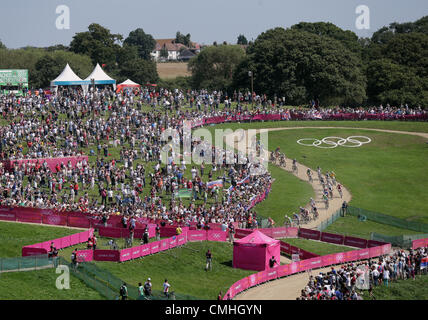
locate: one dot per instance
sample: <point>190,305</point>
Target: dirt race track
<point>289,288</point>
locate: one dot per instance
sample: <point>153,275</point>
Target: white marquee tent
<point>68,78</point>
<point>100,77</point>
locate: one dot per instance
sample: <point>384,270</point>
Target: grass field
<point>40,285</point>
<point>184,269</point>
<point>287,194</point>
<point>351,226</point>
<point>13,236</point>
<point>168,70</point>
<point>388,175</point>
<point>372,124</point>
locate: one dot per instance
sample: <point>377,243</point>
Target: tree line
<point>305,62</point>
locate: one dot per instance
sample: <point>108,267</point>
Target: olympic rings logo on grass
<point>342,142</point>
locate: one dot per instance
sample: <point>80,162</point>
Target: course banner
<point>126,254</point>
<point>309,234</point>
<point>181,239</point>
<point>196,235</point>
<point>54,220</point>
<point>8,216</point>
<point>283,271</point>
<point>271,274</point>
<point>145,250</point>
<point>355,242</point>
<point>85,255</point>
<point>155,247</point>
<point>216,235</point>
<point>106,255</point>
<point>332,238</point>
<point>419,243</point>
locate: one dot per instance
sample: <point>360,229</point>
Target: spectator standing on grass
<point>123,291</point>
<point>231,232</point>
<point>386,276</point>
<point>219,297</point>
<point>208,255</point>
<point>166,287</point>
<point>146,236</point>
<point>157,232</point>
<point>148,287</point>
<point>94,242</point>
<point>74,259</point>
<point>140,291</point>
<point>344,208</point>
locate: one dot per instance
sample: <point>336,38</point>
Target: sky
<point>33,23</point>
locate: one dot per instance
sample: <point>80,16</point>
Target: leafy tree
<point>176,83</point>
<point>242,40</point>
<point>2,46</point>
<point>57,47</point>
<point>385,34</point>
<point>139,70</point>
<point>183,39</point>
<point>127,53</point>
<point>348,38</point>
<point>27,58</point>
<point>143,41</point>
<point>47,69</point>
<point>164,52</point>
<point>410,50</point>
<point>99,44</point>
<point>389,82</point>
<point>301,66</point>
<point>213,68</point>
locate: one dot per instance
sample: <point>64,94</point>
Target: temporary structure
<point>67,78</point>
<point>127,84</point>
<point>254,251</point>
<point>98,76</point>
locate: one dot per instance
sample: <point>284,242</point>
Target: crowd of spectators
<point>346,282</point>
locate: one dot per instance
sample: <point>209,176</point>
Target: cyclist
<point>325,198</point>
<point>309,174</point>
<point>339,189</point>
<point>294,165</point>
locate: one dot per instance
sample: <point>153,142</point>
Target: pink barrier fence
<point>64,242</point>
<point>289,249</point>
<point>355,242</point>
<point>51,162</point>
<point>309,234</point>
<point>54,220</point>
<point>311,261</point>
<point>6,215</point>
<point>70,218</point>
<point>154,247</point>
<point>85,255</point>
<point>419,243</point>
<point>332,238</point>
<point>241,233</point>
<point>106,255</point>
<point>196,235</point>
<point>216,235</point>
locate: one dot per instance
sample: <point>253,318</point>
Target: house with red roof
<point>174,50</point>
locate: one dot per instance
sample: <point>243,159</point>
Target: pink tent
<point>254,251</point>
